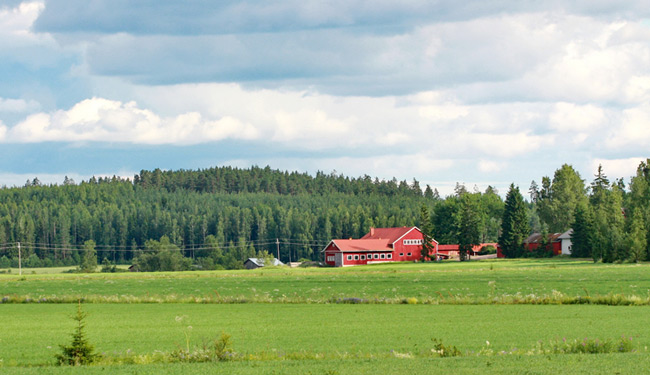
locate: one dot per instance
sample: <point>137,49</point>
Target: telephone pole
<point>20,265</point>
<point>277,244</point>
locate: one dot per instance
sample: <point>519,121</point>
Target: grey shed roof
<point>260,262</point>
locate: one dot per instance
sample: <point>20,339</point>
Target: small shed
<point>252,263</point>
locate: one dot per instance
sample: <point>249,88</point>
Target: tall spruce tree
<point>514,225</point>
<point>469,222</point>
<point>582,237</point>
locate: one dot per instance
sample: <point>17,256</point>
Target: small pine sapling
<point>80,351</point>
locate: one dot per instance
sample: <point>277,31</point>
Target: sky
<point>476,92</point>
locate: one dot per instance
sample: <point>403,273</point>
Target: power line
<point>194,247</point>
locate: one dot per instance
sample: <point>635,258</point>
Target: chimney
<point>372,231</point>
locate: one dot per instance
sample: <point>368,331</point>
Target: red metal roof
<point>390,234</point>
<point>363,245</point>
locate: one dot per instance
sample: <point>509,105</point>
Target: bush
<point>218,350</point>
<point>445,350</point>
<point>32,262</point>
<point>108,267</point>
<point>5,262</point>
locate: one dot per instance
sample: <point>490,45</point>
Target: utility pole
<point>277,244</point>
<point>20,265</point>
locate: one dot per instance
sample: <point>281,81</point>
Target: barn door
<point>338,261</point>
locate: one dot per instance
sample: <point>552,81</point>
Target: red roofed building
<point>379,245</point>
<point>452,251</point>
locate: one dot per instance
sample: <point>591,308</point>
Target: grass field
<point>322,337</point>
<point>435,281</point>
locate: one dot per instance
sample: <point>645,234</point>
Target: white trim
<point>328,245</point>
<point>409,231</point>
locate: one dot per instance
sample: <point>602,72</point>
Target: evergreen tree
<point>533,191</point>
<point>639,197</point>
<point>514,225</point>
<point>469,234</point>
<point>425,227</point>
<point>636,238</point>
<point>582,245</point>
<point>89,260</point>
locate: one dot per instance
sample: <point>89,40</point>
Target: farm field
<point>32,332</point>
<point>282,335</point>
<point>473,280</point>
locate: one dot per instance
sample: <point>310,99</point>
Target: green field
<point>474,280</point>
<point>283,336</point>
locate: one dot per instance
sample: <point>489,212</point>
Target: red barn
<point>378,246</point>
<point>558,243</point>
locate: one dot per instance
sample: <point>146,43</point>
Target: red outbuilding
<point>378,246</point>
<point>452,251</point>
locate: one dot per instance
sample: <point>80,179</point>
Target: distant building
<point>559,243</point>
<point>252,263</point>
<point>380,245</point>
<point>453,251</point>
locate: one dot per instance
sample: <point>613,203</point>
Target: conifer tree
<point>425,227</point>
<point>89,261</point>
<point>469,231</point>
<point>636,238</point>
<point>514,225</point>
<point>582,244</point>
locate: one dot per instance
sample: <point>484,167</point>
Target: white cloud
<point>617,168</point>
<point>570,117</point>
<point>446,112</point>
<point>309,128</point>
<point>505,145</point>
<point>17,105</point>
<point>634,131</point>
<point>104,120</point>
<point>488,166</point>
<point>18,20</point>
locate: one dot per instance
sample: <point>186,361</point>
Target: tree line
<point>225,214</point>
<point>218,217</point>
<point>610,221</point>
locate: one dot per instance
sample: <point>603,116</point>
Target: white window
<point>363,257</point>
<point>349,257</point>
<point>389,256</point>
<point>401,254</point>
<point>383,256</point>
<point>376,256</point>
<point>408,254</point>
<point>356,257</point>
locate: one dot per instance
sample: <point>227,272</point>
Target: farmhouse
<point>252,263</point>
<point>377,246</point>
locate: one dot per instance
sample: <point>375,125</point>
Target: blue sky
<point>477,92</point>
